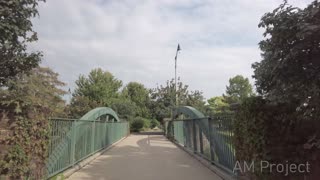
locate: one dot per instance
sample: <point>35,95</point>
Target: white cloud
<point>136,40</point>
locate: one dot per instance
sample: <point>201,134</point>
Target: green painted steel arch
<point>94,114</point>
<point>76,133</point>
<point>189,111</point>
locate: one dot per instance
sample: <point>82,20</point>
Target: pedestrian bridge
<point>174,154</point>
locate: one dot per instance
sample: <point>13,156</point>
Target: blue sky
<point>136,40</point>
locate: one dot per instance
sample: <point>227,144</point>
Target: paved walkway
<point>145,157</point>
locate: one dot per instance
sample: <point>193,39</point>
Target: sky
<point>136,40</point>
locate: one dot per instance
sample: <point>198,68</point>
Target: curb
<point>213,168</point>
<point>67,173</point>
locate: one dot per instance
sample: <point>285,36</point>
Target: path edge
<point>68,172</point>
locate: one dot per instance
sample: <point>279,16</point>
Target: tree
<point>27,103</point>
<point>80,105</point>
<point>40,88</point>
<point>196,100</point>
<point>238,89</point>
<point>282,123</point>
<point>163,99</point>
<point>125,108</point>
<point>139,95</point>
<point>217,104</point>
<point>290,68</point>
<point>99,88</point>
<point>15,32</point>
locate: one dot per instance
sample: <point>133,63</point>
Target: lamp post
<point>175,74</point>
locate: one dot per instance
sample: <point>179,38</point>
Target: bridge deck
<point>144,157</point>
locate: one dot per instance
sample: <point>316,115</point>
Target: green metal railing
<point>73,140</point>
<point>211,138</point>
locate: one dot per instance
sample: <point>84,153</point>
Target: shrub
<point>146,124</point>
<point>137,124</point>
<point>154,123</point>
<point>273,132</point>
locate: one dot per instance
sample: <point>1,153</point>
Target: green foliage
<point>282,124</point>
<point>217,104</point>
<point>15,33</point>
<point>100,88</point>
<point>250,128</point>
<point>12,162</point>
<point>29,101</point>
<point>163,99</point>
<point>238,89</point>
<point>125,108</point>
<point>267,131</point>
<point>139,95</point>
<point>40,88</point>
<point>137,124</point>
<point>146,124</point>
<point>196,100</point>
<point>80,105</point>
<point>290,69</point>
<point>154,123</point>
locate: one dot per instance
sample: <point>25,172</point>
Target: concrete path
<point>145,157</point>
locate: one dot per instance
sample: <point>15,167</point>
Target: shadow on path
<point>145,156</point>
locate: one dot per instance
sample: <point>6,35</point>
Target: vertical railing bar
<point>194,133</point>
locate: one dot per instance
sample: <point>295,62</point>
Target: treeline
<point>101,88</point>
<point>281,125</point>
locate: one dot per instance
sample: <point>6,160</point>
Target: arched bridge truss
<point>209,137</point>
<point>73,140</point>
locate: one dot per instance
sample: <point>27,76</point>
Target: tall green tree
<point>139,95</point>
<point>218,104</point>
<point>100,86</point>
<point>125,108</point>
<point>290,67</point>
<point>238,89</point>
<point>28,102</point>
<point>80,105</point>
<point>282,124</point>
<point>163,99</point>
<point>15,33</point>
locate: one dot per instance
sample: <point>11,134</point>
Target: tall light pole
<point>175,74</point>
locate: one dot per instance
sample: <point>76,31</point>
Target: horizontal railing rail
<point>73,140</point>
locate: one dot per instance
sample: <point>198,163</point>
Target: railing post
<point>194,133</point>
<point>73,142</point>
<point>184,129</point>
<point>106,143</point>
<point>201,140</point>
<point>92,138</point>
<point>211,140</point>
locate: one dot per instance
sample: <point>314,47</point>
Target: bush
<point>137,124</point>
<point>154,123</point>
<point>146,124</point>
<point>273,132</point>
